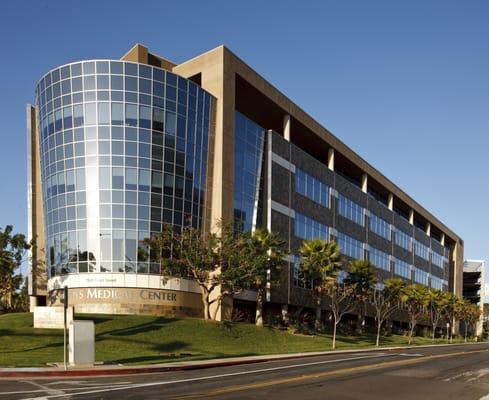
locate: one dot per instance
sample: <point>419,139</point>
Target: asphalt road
<point>455,372</point>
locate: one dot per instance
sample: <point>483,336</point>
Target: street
<point>454,372</point>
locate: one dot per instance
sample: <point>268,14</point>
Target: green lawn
<point>129,339</point>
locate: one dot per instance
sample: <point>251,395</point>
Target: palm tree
<point>362,274</point>
<point>320,262</point>
<point>266,253</point>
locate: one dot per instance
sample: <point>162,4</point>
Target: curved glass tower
<point>123,150</point>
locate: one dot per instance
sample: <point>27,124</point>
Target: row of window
<point>382,261</point>
<point>113,113</point>
<point>124,76</point>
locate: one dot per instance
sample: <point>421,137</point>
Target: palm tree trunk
<point>465,333</point>
<point>433,334</point>
<point>411,331</point>
<point>259,308</point>
<point>317,322</point>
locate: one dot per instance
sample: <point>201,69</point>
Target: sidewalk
<point>108,370</point>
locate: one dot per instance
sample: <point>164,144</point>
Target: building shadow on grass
<point>155,325</point>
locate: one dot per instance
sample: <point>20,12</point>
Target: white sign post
<point>82,343</point>
<point>65,307</point>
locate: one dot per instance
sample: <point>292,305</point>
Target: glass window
<point>144,117</point>
<point>70,181</point>
<point>131,115</point>
<point>436,283</point>
<point>144,180</point>
<point>67,120</point>
<point>76,69</point>
<point>170,123</point>
<point>421,250</point>
<point>103,113</point>
<point>89,82</point>
<point>312,188</point>
<point>156,182</point>
<point>379,259</point>
<point>350,247</point>
<point>76,85</point>
<point>102,82</point>
<point>90,113</point>
<point>421,276</point>
<point>116,82</point>
<point>403,240</point>
<point>117,114</point>
<point>437,259</point>
<point>308,228</point>
<point>158,116</point>
<point>351,210</point>
<point>131,84</point>
<point>131,178</point>
<point>402,268</point>
<point>117,178</point>
<point>116,67</point>
<point>380,226</point>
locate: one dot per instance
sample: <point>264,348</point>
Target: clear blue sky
<point>405,84</point>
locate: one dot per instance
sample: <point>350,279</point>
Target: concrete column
<point>331,159</point>
<point>287,127</point>
<point>411,217</point>
<point>442,241</point>
<point>428,229</point>
<point>364,183</point>
<point>390,202</point>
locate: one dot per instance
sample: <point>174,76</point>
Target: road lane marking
<point>260,385</point>
<point>203,378</point>
<point>46,389</point>
<point>60,390</point>
<point>267,383</point>
<point>86,383</point>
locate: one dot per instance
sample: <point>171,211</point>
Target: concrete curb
<point>50,372</point>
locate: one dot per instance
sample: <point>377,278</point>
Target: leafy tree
<point>449,314</point>
<point>415,300</point>
<point>13,250</point>
<point>189,253</point>
<point>341,300</point>
<point>438,303</point>
<point>263,255</point>
<point>473,318</point>
<point>363,275</point>
<point>386,301</point>
<point>320,262</point>
<point>468,313</point>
